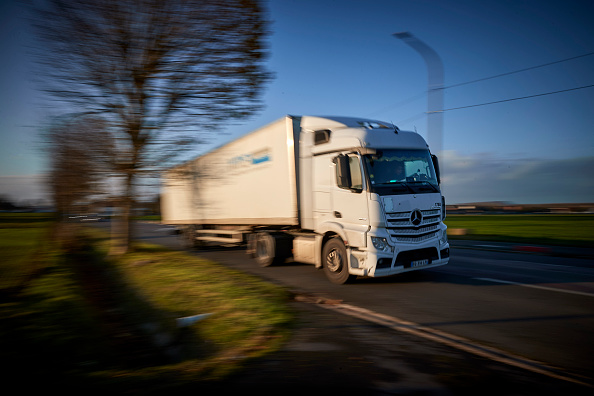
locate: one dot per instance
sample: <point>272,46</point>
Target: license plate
<point>419,263</point>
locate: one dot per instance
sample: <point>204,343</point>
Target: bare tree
<point>161,72</point>
<point>79,149</point>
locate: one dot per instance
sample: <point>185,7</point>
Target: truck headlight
<point>444,237</point>
<point>381,244</point>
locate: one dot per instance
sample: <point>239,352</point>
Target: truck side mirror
<point>436,166</point>
<point>343,171</point>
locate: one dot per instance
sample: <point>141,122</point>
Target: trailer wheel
<point>188,235</point>
<point>335,262</point>
<point>251,245</point>
<point>265,249</point>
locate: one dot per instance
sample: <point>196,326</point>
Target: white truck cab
<point>376,190</point>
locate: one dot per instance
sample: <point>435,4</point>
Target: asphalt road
<point>533,306</point>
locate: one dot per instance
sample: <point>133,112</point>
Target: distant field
<point>21,235</point>
<point>569,230</point>
<point>21,220</point>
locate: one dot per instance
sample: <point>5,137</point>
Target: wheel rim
<point>261,250</point>
<point>334,260</point>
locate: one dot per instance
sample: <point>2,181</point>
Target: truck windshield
<point>400,171</point>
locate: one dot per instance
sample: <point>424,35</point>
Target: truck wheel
<point>335,262</point>
<point>264,253</point>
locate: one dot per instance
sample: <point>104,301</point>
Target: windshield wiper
<point>424,183</point>
<point>392,182</point>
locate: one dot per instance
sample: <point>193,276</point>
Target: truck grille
<point>401,227</point>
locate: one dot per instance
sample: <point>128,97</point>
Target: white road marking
<point>558,265</point>
<point>453,341</point>
<point>537,287</point>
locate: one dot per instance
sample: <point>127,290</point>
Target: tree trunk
<point>121,226</point>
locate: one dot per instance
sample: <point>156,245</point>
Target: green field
<point>70,314</point>
<point>564,230</point>
<point>21,236</point>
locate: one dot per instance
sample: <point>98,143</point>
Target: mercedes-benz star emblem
<point>416,217</point>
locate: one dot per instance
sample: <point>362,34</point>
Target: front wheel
<point>335,262</point>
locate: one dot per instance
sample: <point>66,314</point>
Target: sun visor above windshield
<point>313,123</point>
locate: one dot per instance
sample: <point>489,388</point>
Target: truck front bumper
<point>405,258</point>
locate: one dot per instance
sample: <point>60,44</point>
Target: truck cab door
<point>349,198</point>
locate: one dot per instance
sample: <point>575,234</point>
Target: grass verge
<point>84,320</point>
<point>561,230</point>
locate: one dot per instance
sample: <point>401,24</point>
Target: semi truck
<point>355,197</point>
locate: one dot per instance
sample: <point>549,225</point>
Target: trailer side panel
<point>250,181</point>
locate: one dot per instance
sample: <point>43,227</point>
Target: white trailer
<point>356,197</point>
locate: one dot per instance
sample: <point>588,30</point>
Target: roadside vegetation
<point>553,229</point>
<point>70,316</point>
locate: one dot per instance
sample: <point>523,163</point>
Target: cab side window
<point>348,172</point>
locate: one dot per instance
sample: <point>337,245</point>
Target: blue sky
<point>340,58</point>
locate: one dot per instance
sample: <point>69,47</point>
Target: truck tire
<point>335,262</point>
<point>265,249</point>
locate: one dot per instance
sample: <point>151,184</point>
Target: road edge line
<point>555,289</point>
<point>453,341</point>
